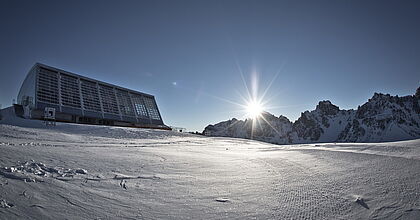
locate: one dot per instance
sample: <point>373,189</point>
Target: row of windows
<point>139,106</point>
<point>124,102</point>
<point>47,86</point>
<point>90,96</point>
<point>109,102</point>
<point>152,108</point>
<point>114,101</point>
<point>70,93</point>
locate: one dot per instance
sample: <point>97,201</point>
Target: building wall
<point>80,96</point>
<point>26,94</point>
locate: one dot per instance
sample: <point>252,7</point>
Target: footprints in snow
<point>361,201</point>
<point>124,178</point>
<point>123,184</point>
<point>222,199</point>
<point>5,204</point>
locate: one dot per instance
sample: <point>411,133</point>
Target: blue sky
<point>343,51</point>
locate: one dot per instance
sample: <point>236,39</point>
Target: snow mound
<point>31,171</point>
<point>5,204</point>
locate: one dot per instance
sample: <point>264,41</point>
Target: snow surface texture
<point>382,118</point>
<point>75,171</point>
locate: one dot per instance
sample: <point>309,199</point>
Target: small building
<point>80,99</point>
<point>178,129</point>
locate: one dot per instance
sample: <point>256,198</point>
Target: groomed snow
<point>98,172</point>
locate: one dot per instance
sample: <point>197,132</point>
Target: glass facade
<point>90,96</point>
<point>152,108</point>
<point>60,88</point>
<point>47,86</point>
<point>139,106</point>
<point>70,93</point>
<point>109,102</point>
<point>124,102</point>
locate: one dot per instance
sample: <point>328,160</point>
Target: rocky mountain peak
<point>381,97</point>
<point>327,108</point>
<point>283,118</point>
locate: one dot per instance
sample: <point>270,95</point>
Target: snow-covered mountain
<point>381,118</point>
<point>272,129</point>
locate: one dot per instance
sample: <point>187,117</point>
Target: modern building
<point>79,99</point>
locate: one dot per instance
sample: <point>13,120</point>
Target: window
<point>124,101</point>
<point>47,86</point>
<point>109,102</point>
<point>70,93</point>
<point>139,106</point>
<point>90,96</point>
<point>151,108</point>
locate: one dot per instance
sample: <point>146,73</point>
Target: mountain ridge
<point>382,118</point>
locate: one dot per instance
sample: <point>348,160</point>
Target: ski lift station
<point>78,99</point>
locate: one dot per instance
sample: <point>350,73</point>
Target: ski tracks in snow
<point>303,192</point>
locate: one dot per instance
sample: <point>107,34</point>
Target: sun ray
<point>242,77</point>
<point>262,116</point>
<point>252,128</point>
<point>220,98</point>
<point>245,100</point>
<point>285,106</point>
<point>243,112</point>
<point>272,80</point>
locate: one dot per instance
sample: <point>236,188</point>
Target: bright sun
<point>254,109</point>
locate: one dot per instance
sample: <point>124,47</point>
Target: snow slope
<point>98,172</point>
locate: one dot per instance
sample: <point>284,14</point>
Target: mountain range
<point>382,118</point>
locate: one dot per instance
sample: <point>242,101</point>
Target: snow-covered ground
<point>98,172</point>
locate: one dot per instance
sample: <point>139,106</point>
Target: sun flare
<point>254,109</point>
